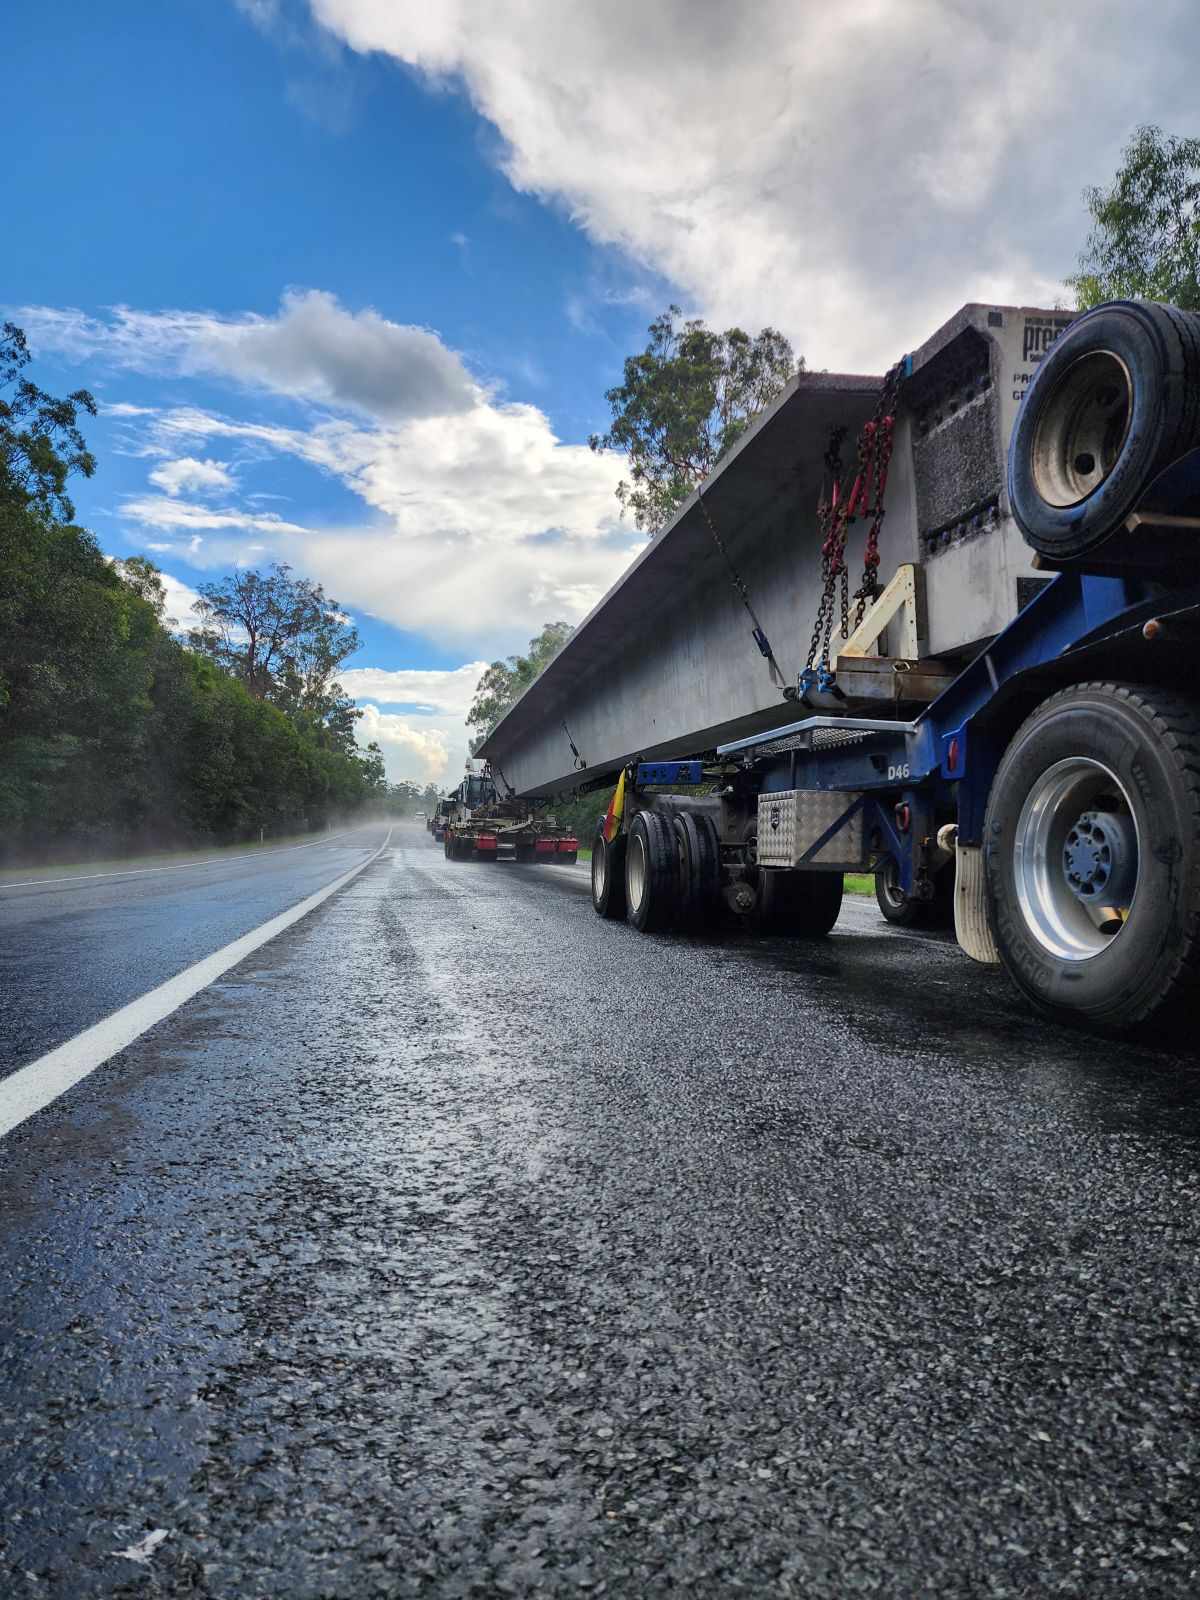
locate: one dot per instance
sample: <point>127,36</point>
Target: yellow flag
<point>616,810</point>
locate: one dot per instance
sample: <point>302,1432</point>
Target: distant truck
<point>438,820</point>
<point>485,827</point>
<point>1008,695</point>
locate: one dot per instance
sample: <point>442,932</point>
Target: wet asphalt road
<point>75,948</point>
<point>457,1243</point>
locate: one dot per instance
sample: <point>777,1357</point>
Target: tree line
<point>115,732</point>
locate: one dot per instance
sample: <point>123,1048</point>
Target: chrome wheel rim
<point>1082,429</point>
<point>637,869</point>
<point>1069,914</point>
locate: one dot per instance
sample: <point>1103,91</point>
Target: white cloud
<point>125,408</point>
<point>410,750</point>
<point>476,523</point>
<point>199,477</point>
<point>852,173</point>
<point>314,349</point>
<point>180,599</point>
<point>167,513</point>
<point>478,527</point>
<point>447,692</point>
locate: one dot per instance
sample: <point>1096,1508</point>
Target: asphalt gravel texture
<point>458,1243</point>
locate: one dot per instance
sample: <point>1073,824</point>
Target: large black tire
<point>699,855</point>
<point>608,875</point>
<point>1115,400</point>
<point>651,873</point>
<point>803,904</point>
<point>898,908</point>
<point>1135,756</point>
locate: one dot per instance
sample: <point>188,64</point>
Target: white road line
<point>32,1087</point>
<point>184,866</point>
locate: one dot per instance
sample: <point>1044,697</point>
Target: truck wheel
<point>1091,855</point>
<point>804,904</point>
<point>608,874</point>
<point>1115,400</point>
<point>651,873</point>
<point>897,907</point>
<point>699,855</point>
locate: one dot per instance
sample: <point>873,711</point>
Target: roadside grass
<point>584,855</point>
<point>161,858</point>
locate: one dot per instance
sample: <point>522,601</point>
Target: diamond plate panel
<point>791,822</point>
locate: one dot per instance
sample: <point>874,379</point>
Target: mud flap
<point>970,906</point>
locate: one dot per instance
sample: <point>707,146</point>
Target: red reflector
<point>546,846</point>
<point>952,755</point>
<point>486,841</point>
<point>567,845</point>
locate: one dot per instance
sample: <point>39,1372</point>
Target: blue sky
<point>378,261</point>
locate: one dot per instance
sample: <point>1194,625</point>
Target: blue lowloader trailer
<point>1030,754</point>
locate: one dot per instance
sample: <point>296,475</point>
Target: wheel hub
<point>1083,429</point>
<point>1075,858</point>
<point>1099,858</point>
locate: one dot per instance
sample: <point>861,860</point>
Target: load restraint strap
<point>757,631</point>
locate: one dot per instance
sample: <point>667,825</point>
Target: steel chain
<point>834,516</point>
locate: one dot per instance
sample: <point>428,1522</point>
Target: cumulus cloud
<point>409,750</point>
<point>851,173</point>
<point>447,692</point>
<point>454,541</point>
<point>313,349</point>
<point>181,597</point>
<point>197,477</point>
<point>477,523</point>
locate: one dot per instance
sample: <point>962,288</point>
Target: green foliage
<point>40,442</point>
<point>113,733</point>
<point>405,799</point>
<point>505,681</point>
<point>581,813</point>
<point>284,639</point>
<point>685,399</point>
<point>1145,239</point>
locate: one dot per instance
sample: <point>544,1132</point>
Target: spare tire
<point>1115,400</point>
